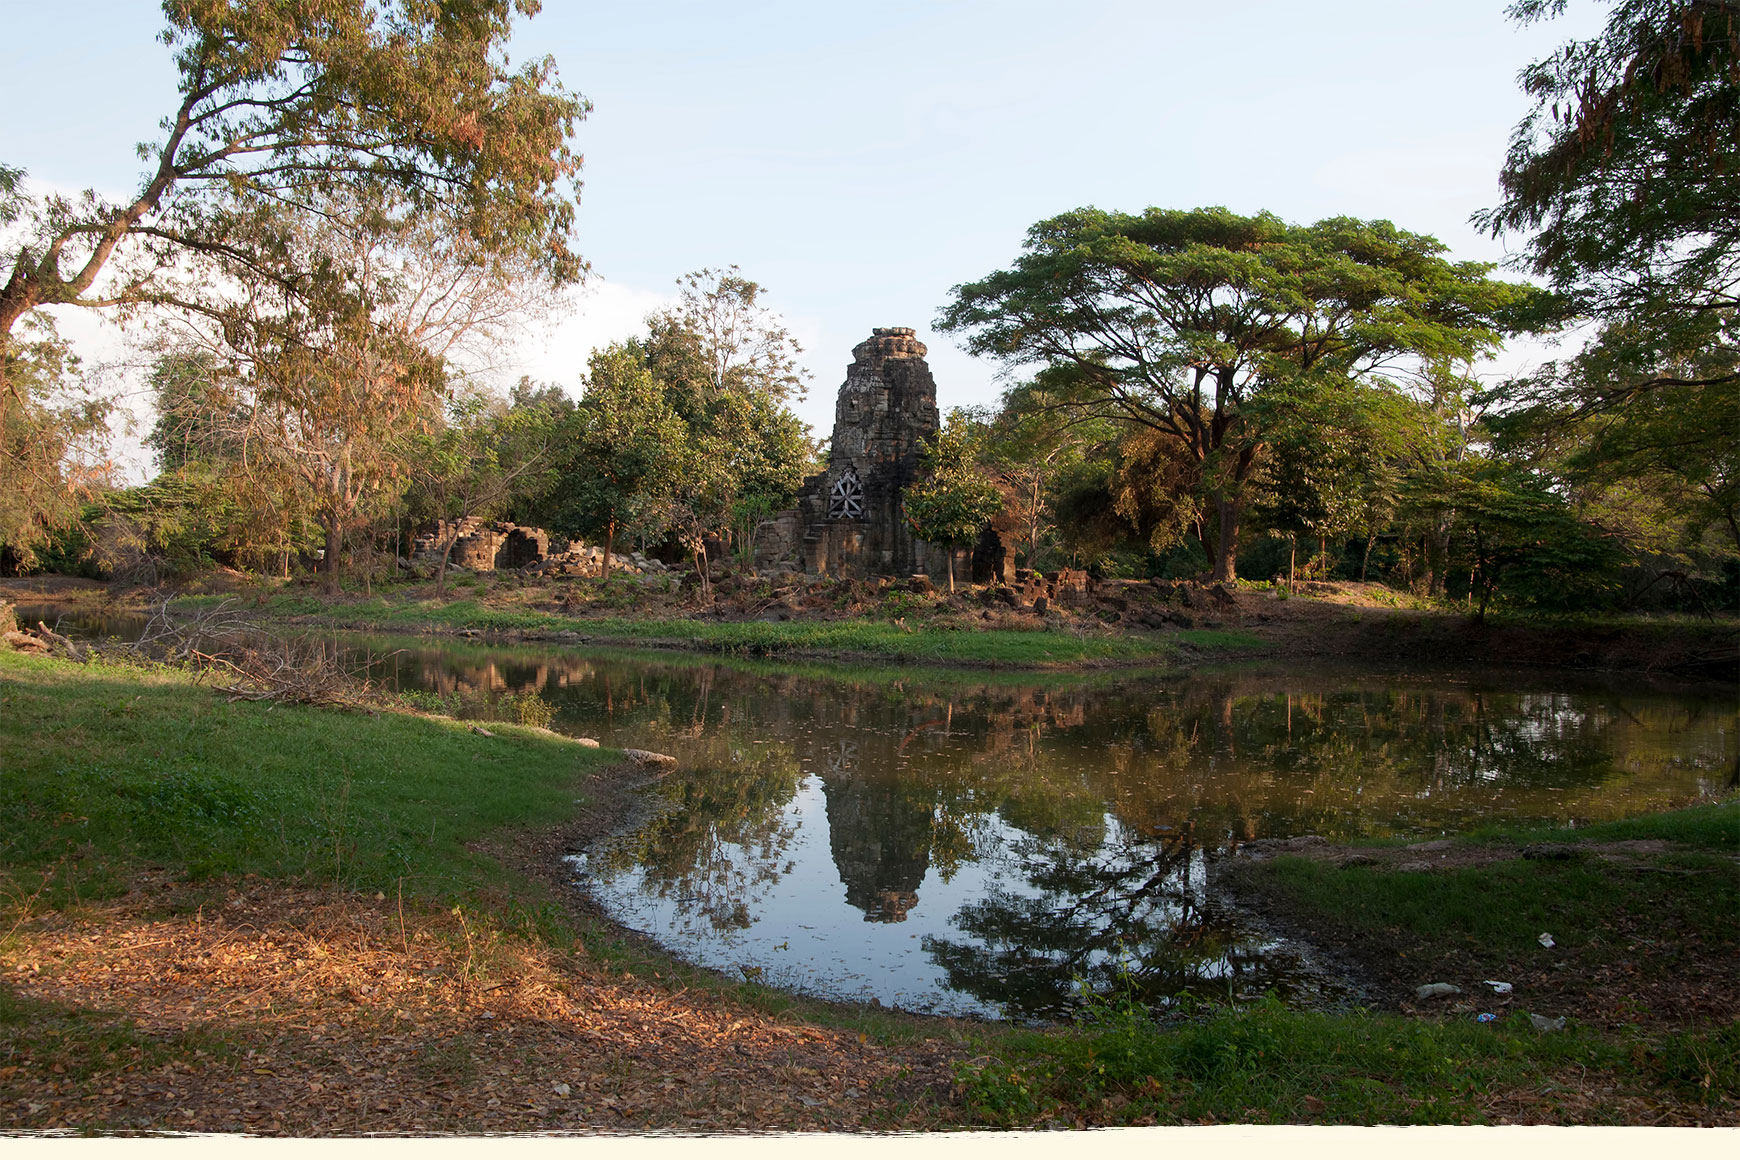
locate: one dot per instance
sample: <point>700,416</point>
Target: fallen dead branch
<point>247,662</point>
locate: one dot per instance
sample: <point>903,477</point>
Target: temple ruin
<point>848,520</point>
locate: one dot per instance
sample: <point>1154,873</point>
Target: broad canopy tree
<point>1182,322</point>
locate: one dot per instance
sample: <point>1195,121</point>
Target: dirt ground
<point>284,1011</point>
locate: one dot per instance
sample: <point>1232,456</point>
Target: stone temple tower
<point>848,520</point>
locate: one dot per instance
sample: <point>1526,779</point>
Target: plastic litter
<point>1498,987</point>
<point>1485,1017</point>
<point>1545,940</point>
<point>1437,990</point>
<point>1542,1023</point>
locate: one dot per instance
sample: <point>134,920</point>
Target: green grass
<point>1715,826</point>
<point>1265,1064</point>
<point>874,639</point>
<point>1493,914</point>
<point>1489,916</point>
<point>109,768</point>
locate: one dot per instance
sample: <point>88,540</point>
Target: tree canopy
<point>1181,321</point>
<point>286,110</point>
<point>1625,177</point>
<point>290,102</point>
<point>1626,174</point>
<point>955,502</point>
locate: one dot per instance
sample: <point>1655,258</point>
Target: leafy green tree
<point>52,432</point>
<point>1623,177</point>
<point>198,414</point>
<point>955,503</point>
<point>729,369</point>
<point>1180,321</point>
<point>1624,171</point>
<point>712,376</point>
<point>1030,447</point>
<point>620,455</point>
<point>285,106</point>
<point>1519,534</point>
<point>329,381</point>
<point>1329,473</point>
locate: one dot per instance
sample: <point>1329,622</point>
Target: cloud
<point>591,317</point>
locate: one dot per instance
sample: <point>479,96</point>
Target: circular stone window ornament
<point>846,499</point>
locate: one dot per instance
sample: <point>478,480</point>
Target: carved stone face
<point>856,404</point>
<point>846,497</point>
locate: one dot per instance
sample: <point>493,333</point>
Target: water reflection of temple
<point>880,835</point>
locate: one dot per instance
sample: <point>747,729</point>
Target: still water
<point>997,845</point>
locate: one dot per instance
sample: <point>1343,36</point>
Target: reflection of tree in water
<point>719,835</point>
<point>1127,916</point>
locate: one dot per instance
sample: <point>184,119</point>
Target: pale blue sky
<point>859,160</point>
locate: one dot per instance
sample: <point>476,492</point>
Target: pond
<point>999,845</point>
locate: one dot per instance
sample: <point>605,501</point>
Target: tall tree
<point>622,452</point>
<point>1179,321</point>
<point>331,376</point>
<point>288,104</point>
<point>1029,447</point>
<point>730,367</point>
<point>952,506</point>
<point>1626,173</point>
<point>1625,177</point>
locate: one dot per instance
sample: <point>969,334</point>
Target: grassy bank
<point>110,768</point>
<point>1036,646</point>
<point>203,929</point>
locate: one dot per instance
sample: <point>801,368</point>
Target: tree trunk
<point>1227,549</point>
<point>1365,560</point>
<point>1292,561</point>
<point>334,545</point>
<point>609,543</point>
<point>1438,559</point>
<point>441,568</point>
<point>951,555</point>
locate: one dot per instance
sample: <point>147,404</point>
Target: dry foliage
<point>314,1012</point>
<point>248,662</point>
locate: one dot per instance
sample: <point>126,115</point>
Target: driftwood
<point>247,662</point>
<point>72,648</point>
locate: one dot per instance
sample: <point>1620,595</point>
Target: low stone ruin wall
<point>502,546</point>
